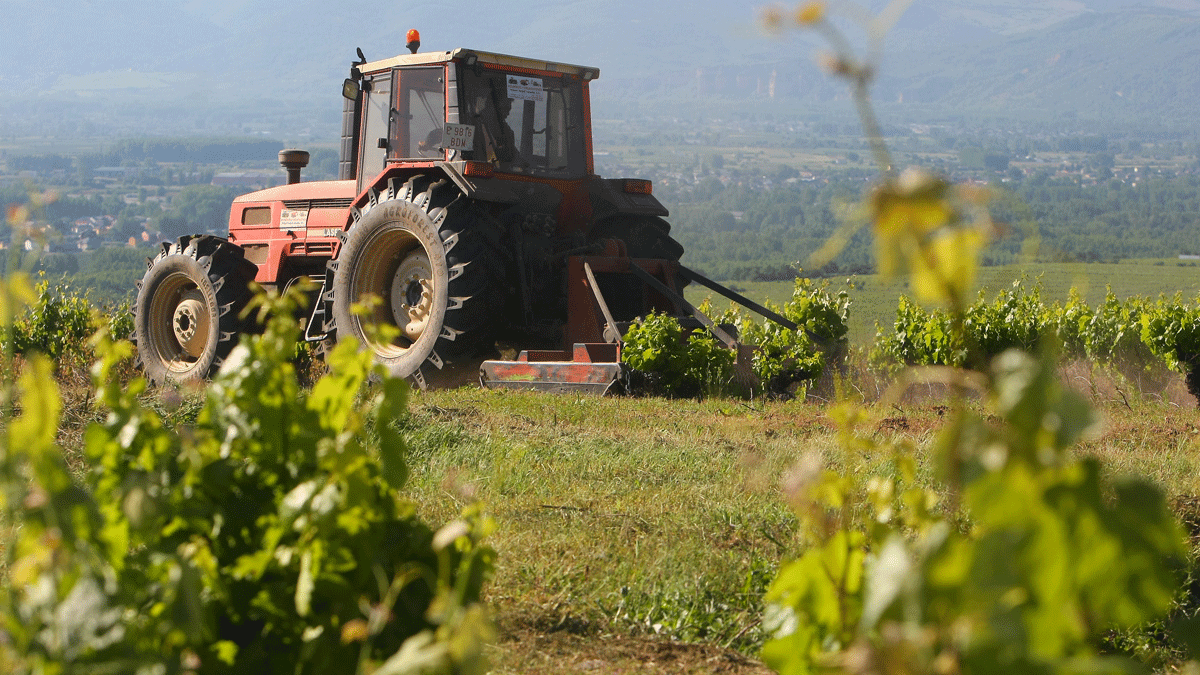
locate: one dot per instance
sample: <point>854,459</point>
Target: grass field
<point>875,297</point>
<point>638,535</point>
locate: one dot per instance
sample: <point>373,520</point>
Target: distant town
<point>749,198</point>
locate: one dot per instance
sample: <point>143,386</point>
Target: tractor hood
<point>311,191</point>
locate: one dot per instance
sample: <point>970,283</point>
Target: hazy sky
<point>252,52</point>
<point>218,37</point>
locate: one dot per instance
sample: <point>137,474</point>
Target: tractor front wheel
<point>186,318</point>
<point>420,265</point>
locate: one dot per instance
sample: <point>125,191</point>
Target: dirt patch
<point>1169,429</point>
<point>893,424</point>
<point>536,647</point>
<point>1187,509</point>
<point>454,375</point>
<point>1126,385</point>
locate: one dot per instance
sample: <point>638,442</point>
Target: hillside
<point>1131,64</point>
<point>183,66</point>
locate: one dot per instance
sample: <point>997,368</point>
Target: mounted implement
<point>468,218</point>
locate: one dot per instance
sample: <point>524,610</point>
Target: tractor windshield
<point>523,123</point>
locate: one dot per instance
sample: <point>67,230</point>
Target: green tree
<point>197,209</point>
<point>126,226</point>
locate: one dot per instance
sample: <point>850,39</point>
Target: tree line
<point>177,150</point>
<point>732,232</point>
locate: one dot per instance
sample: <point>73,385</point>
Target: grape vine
<point>1020,556</point>
<point>268,536</point>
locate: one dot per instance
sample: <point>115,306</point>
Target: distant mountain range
<point>1114,60</point>
<point>1128,63</point>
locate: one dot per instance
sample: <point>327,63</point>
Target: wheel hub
<point>190,323</point>
<point>412,294</point>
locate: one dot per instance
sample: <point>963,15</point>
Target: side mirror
<point>350,89</point>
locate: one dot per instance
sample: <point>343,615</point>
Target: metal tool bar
<point>737,297</point>
<point>611,332</point>
<point>675,297</point>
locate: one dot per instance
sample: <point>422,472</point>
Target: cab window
<point>420,114</point>
<point>524,123</point>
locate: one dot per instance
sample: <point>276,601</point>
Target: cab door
<point>376,127</point>
<point>420,114</point>
<point>403,119</point>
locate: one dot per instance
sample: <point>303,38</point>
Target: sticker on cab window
<point>522,88</point>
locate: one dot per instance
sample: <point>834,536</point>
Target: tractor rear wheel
<point>423,261</point>
<point>644,236</point>
<point>186,318</point>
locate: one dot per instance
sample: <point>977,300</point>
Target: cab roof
<point>464,55</point>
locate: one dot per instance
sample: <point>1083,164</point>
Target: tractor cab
<point>515,115</point>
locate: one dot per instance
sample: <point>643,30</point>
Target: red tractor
<point>467,208</point>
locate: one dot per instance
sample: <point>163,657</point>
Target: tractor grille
<point>341,203</point>
<point>314,248</point>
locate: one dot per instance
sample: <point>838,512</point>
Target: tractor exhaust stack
<point>293,161</point>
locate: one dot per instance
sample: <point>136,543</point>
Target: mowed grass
<point>664,520</point>
<point>639,535</point>
<point>615,514</point>
<point>875,298</point>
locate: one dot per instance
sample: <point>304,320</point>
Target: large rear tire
<point>423,260</point>
<point>186,318</point>
<point>644,236</point>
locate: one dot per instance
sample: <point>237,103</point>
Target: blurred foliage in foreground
<point>1024,558</point>
<point>269,536</point>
